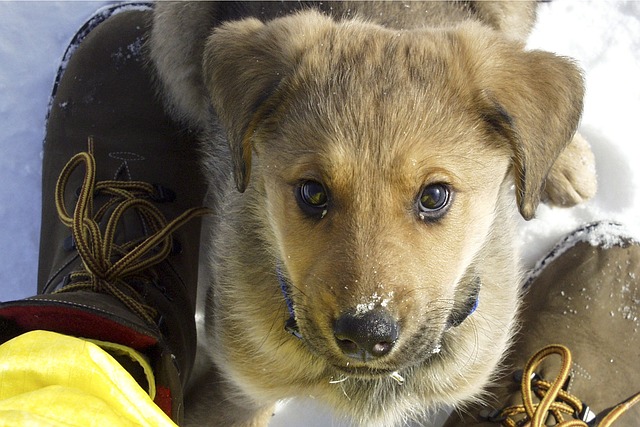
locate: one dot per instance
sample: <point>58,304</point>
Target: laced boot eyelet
<point>586,414</point>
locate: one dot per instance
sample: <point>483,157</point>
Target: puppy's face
<point>378,203</point>
<point>378,162</point>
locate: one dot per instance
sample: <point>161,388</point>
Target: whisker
<point>341,380</point>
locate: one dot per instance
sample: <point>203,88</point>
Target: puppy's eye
<point>434,201</point>
<point>312,198</point>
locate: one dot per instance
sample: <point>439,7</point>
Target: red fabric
<point>76,322</point>
<point>80,323</point>
<point>163,399</point>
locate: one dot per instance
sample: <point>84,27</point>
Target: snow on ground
<point>603,36</point>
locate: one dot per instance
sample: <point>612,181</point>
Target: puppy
<point>363,160</point>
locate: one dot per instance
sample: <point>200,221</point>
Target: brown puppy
<point>375,148</point>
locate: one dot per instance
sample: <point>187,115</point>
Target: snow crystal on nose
<point>373,301</point>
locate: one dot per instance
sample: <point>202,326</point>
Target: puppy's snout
<point>366,336</point>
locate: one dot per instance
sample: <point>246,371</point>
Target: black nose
<point>366,336</point>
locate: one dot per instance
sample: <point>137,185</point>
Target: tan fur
<point>375,107</point>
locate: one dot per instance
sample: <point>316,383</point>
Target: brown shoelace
<point>553,399</point>
<point>108,267</point>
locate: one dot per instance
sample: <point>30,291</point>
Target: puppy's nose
<point>366,336</point>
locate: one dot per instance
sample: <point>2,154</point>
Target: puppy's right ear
<point>245,63</point>
<point>532,98</point>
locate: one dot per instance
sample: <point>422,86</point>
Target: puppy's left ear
<point>533,99</point>
<point>244,64</point>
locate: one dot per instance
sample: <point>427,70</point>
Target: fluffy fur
<point>375,102</point>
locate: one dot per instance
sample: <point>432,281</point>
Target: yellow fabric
<point>123,350</point>
<point>49,379</point>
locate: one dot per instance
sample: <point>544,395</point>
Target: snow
<point>369,304</point>
<point>603,234</point>
<point>603,37</point>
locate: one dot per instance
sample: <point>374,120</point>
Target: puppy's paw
<point>572,178</point>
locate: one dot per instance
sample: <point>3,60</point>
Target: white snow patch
<point>373,301</point>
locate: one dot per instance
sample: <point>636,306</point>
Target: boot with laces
<point>579,342</point>
<point>120,224</point>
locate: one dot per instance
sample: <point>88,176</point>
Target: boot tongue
<point>130,228</point>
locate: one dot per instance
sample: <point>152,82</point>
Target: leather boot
<point>120,234</point>
<point>581,312</point>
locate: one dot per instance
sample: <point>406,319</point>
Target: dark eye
<point>433,201</point>
<point>312,198</point>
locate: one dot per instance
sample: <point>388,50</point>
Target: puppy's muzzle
<point>366,336</point>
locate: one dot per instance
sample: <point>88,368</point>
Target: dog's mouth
<point>411,355</point>
<point>392,369</point>
<point>344,374</point>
